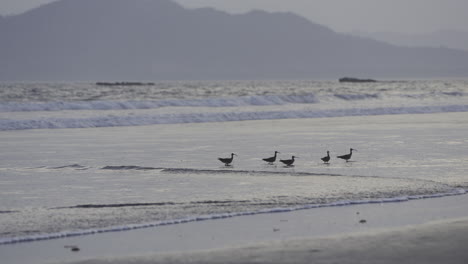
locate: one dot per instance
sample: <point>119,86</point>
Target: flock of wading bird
<point>289,162</point>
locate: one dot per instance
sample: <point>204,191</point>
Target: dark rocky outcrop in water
<point>124,83</point>
<point>356,80</point>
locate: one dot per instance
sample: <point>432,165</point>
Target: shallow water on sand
<point>80,179</point>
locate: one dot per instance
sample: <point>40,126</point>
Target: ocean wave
<point>141,120</point>
<point>64,234</point>
<point>258,100</point>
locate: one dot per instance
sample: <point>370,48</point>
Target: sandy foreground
<point>419,231</point>
<point>436,242</point>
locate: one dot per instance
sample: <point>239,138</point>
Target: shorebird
<point>289,162</point>
<point>227,161</point>
<point>347,156</point>
<point>271,159</point>
<point>326,159</point>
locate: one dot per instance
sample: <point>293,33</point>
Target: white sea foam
<point>123,105</point>
<point>177,118</point>
<point>14,240</point>
<point>256,100</point>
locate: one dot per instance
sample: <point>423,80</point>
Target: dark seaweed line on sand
<point>93,206</point>
<point>218,171</point>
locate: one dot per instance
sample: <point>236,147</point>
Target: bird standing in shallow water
<point>347,156</point>
<point>227,161</point>
<point>289,162</point>
<point>326,159</point>
<point>271,159</point>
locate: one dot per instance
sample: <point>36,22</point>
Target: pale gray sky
<point>406,16</point>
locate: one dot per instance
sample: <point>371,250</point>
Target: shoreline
<point>132,227</point>
<point>221,240</point>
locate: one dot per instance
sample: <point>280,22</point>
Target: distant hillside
<point>159,39</point>
<point>443,38</point>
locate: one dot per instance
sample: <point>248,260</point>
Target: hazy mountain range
<point>159,39</point>
<point>442,38</point>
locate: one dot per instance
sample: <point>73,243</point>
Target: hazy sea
<point>78,158</point>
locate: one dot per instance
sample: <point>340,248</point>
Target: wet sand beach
<point>419,231</point>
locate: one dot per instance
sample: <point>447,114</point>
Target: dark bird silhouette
<point>227,161</point>
<point>271,159</point>
<point>326,159</point>
<point>289,162</point>
<point>347,156</point>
